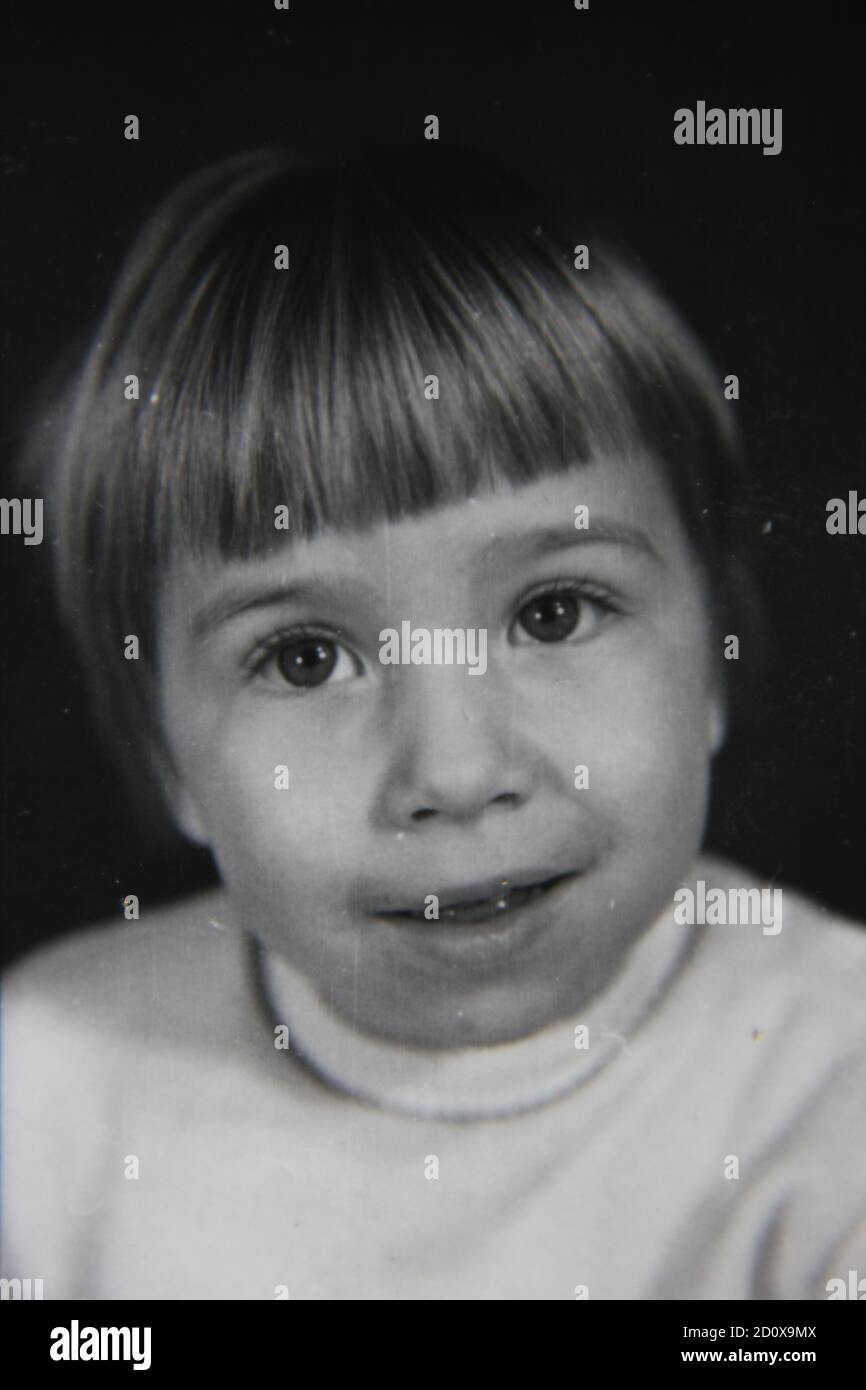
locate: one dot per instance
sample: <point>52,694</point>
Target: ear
<point>182,808</point>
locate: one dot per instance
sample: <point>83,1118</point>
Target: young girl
<point>470,1016</point>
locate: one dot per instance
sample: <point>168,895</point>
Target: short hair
<point>305,387</point>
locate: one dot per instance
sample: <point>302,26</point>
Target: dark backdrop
<point>764,255</point>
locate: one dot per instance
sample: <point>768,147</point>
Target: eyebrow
<point>232,602</point>
<point>547,538</point>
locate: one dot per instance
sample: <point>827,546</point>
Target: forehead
<point>629,512</point>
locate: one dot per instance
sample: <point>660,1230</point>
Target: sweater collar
<point>475,1082</point>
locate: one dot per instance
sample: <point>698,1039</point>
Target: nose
<point>452,753</point>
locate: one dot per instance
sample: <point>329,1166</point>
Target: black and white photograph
<point>434,585</point>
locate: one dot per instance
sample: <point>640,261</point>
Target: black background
<point>763,254</point>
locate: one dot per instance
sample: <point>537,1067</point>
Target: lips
<point>495,900</point>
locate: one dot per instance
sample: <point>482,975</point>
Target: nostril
<point>504,796</point>
<point>423,812</point>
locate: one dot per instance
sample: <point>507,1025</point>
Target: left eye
<point>553,617</point>
<point>305,661</point>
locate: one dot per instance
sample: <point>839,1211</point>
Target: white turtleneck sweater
<point>709,1142</point>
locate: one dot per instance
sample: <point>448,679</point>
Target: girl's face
<point>417,782</point>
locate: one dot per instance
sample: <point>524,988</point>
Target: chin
<point>472,1022</point>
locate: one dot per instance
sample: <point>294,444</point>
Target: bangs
<point>308,387</point>
<point>387,379</point>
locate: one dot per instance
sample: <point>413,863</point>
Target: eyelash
<point>265,650</point>
<point>576,588</point>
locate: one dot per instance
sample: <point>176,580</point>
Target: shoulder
<point>779,1062</point>
<point>96,1027</point>
<point>779,994</point>
<point>816,955</point>
<point>133,981</point>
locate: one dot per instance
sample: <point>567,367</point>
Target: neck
<point>475,1082</point>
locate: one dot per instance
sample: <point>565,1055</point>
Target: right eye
<point>305,660</point>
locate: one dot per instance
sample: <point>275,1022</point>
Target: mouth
<point>495,901</point>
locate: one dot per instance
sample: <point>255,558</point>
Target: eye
<point>555,615</point>
<point>304,660</point>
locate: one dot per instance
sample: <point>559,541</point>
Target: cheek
<point>644,735</point>
<point>276,803</point>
